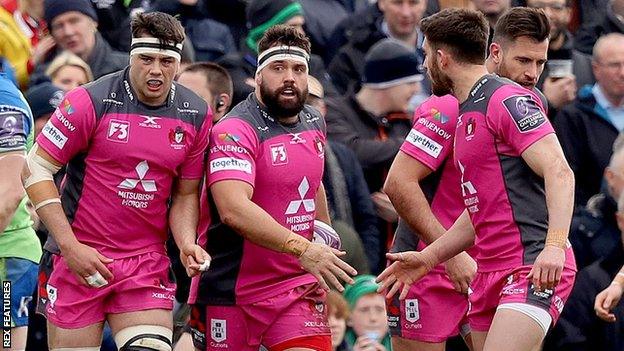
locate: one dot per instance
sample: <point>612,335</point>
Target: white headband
<point>280,53</point>
<point>155,46</point>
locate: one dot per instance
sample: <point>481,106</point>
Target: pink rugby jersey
<point>431,142</point>
<point>504,197</point>
<point>122,158</point>
<point>284,165</point>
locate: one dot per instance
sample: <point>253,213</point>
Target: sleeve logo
<point>230,164</point>
<point>525,112</point>
<point>424,143</point>
<point>118,131</point>
<point>53,134</point>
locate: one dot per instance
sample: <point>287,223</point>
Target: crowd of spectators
<point>366,79</point>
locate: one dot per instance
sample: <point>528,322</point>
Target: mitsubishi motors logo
<point>130,183</point>
<point>308,204</point>
<point>469,192</point>
<point>467,187</point>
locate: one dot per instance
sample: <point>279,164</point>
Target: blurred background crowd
<point>361,86</point>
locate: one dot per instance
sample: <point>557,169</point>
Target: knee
<point>144,338</point>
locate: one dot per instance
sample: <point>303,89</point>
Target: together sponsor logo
<point>424,143</point>
<point>230,164</point>
<point>53,134</point>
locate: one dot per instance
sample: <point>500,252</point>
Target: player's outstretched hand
<point>607,300</point>
<point>88,265</point>
<point>407,268</point>
<point>461,269</point>
<point>546,271</point>
<point>324,263</point>
<point>194,259</point>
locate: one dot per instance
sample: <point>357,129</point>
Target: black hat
<point>263,14</point>
<point>389,63</point>
<point>54,8</point>
<point>44,98</point>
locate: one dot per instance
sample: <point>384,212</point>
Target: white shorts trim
<point>539,315</point>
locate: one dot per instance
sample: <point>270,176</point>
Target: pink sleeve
<point>233,149</point>
<point>517,117</point>
<point>193,165</point>
<point>430,140</point>
<point>70,127</point>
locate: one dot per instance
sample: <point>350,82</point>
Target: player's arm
<point>403,187</point>
<point>607,299</point>
<point>183,219</point>
<point>11,189</point>
<point>37,177</point>
<point>408,267</point>
<point>322,210</point>
<point>233,201</point>
<point>546,159</point>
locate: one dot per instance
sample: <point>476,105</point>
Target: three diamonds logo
<point>131,183</point>
<point>308,204</point>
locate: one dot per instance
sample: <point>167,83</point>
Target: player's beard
<point>441,84</point>
<point>503,71</point>
<point>283,109</point>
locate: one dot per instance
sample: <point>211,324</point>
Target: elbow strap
<point>39,169</point>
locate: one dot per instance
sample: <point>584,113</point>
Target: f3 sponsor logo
<point>118,131</point>
<point>279,156</point>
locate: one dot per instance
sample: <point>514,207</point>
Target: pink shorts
<point>492,289</point>
<point>432,312</point>
<point>141,282</point>
<point>291,315</point>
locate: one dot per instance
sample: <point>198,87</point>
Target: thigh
<point>160,317</point>
<point>478,339</point>
<point>513,331</point>
<point>143,282</point>
<point>89,336</point>
<point>69,303</point>
<point>402,344</point>
<point>431,313</point>
<point>299,314</point>
<point>18,339</point>
<point>484,298</point>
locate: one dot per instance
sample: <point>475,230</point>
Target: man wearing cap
<point>132,142</point>
<point>266,281</point>
<point>373,122</point>
<point>261,15</point>
<point>73,25</point>
<point>43,99</point>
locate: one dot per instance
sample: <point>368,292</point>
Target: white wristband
<point>47,202</point>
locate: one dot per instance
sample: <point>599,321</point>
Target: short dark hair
<point>283,35</point>
<point>158,25</point>
<point>218,79</point>
<point>463,32</point>
<point>522,22</point>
